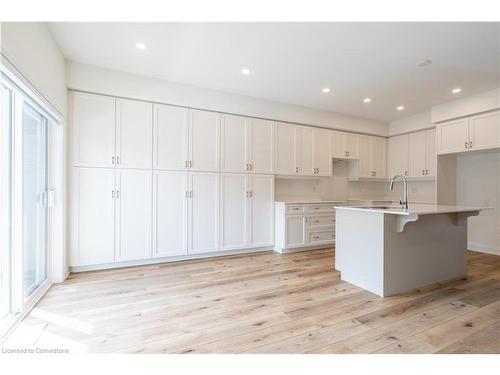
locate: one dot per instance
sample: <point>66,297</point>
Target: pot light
<point>457,90</point>
<point>140,45</point>
<point>245,71</point>
<point>400,108</point>
<point>326,90</point>
<point>367,100</point>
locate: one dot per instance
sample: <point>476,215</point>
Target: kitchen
<point>226,207</point>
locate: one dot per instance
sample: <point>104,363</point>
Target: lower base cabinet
<point>304,225</point>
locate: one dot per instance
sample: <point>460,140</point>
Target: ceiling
<point>293,62</point>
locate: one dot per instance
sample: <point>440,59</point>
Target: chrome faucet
<point>403,202</point>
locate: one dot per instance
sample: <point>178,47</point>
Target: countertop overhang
<point>414,209</point>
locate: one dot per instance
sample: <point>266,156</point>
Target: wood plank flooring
<point>263,303</point>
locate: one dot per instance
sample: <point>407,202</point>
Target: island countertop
<point>417,209</point>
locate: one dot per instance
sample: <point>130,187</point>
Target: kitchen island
<point>389,250</point>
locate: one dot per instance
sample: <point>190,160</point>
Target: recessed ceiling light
<point>326,90</point>
<point>245,71</point>
<point>367,100</point>
<point>423,63</point>
<point>140,45</point>
<point>400,108</point>
<point>457,90</point>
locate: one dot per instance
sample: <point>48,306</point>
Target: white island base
<point>392,251</point>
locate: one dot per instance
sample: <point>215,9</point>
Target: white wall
<point>30,48</point>
<point>478,184</point>
<point>413,123</point>
<point>98,80</point>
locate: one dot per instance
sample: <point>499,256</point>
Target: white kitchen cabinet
<point>203,212</point>
<point>204,139</point>
<point>93,212</point>
<point>286,149</point>
<point>322,153</point>
<point>171,137</point>
<point>234,195</point>
<point>417,155</point>
<point>452,136</point>
<point>234,143</point>
<point>295,231</point>
<point>306,151</point>
<point>134,134</point>
<point>261,211</point>
<point>170,198</point>
<point>300,226</point>
<point>246,211</point>
<point>133,214</point>
<point>484,131</point>
<point>430,150</point>
<point>93,128</point>
<point>260,135</point>
<point>247,145</point>
<point>397,155</point>
<point>344,145</point>
<point>372,159</point>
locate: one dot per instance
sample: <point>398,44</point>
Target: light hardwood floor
<point>263,303</point>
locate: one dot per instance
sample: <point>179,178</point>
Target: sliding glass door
<point>34,201</point>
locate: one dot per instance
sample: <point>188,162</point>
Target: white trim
<point>481,248</point>
<point>304,248</point>
<point>144,262</point>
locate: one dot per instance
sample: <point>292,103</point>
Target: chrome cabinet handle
<point>112,193</point>
<point>112,160</point>
<point>316,237</point>
<point>470,144</point>
<point>316,221</point>
<point>426,172</point>
<point>186,164</point>
<point>296,169</point>
<point>406,173</point>
<point>190,164</point>
<point>305,218</point>
<point>423,171</point>
<point>466,145</point>
<point>117,160</point>
<point>247,167</point>
<point>186,194</point>
<point>118,193</point>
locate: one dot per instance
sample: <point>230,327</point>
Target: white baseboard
<point>475,246</point>
<point>305,248</point>
<point>145,262</point>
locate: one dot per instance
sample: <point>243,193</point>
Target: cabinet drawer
<point>320,208</point>
<point>294,209</point>
<point>321,221</point>
<point>321,237</point>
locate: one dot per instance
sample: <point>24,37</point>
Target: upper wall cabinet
<point>397,155</point>
<point>204,138</point>
<point>480,132</point>
<point>93,127</point>
<point>134,134</point>
<point>109,132</point>
<point>286,149</point>
<point>247,145</point>
<point>372,158</point>
<point>171,137</point>
<point>344,145</point>
<point>322,153</point>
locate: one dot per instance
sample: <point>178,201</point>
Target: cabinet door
<point>203,213</point>
<point>261,146</point>
<point>286,162</point>
<point>378,157</point>
<point>170,146</point>
<point>417,154</point>
<point>452,136</point>
<point>306,150</point>
<point>295,231</point>
<point>397,155</point>
<point>261,211</point>
<point>430,149</point>
<point>93,203</point>
<point>133,214</point>
<point>352,145</point>
<point>204,134</point>
<point>234,196</point>
<point>365,157</point>
<point>134,134</point>
<point>337,142</point>
<point>323,160</point>
<point>93,127</point>
<point>234,144</point>
<point>484,131</point>
<point>170,196</point>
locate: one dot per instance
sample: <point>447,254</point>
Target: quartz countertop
<point>417,209</point>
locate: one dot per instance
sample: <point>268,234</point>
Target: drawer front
<point>316,238</point>
<point>294,209</point>
<point>320,208</point>
<point>321,221</point>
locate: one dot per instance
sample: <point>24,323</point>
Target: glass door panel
<point>34,199</point>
